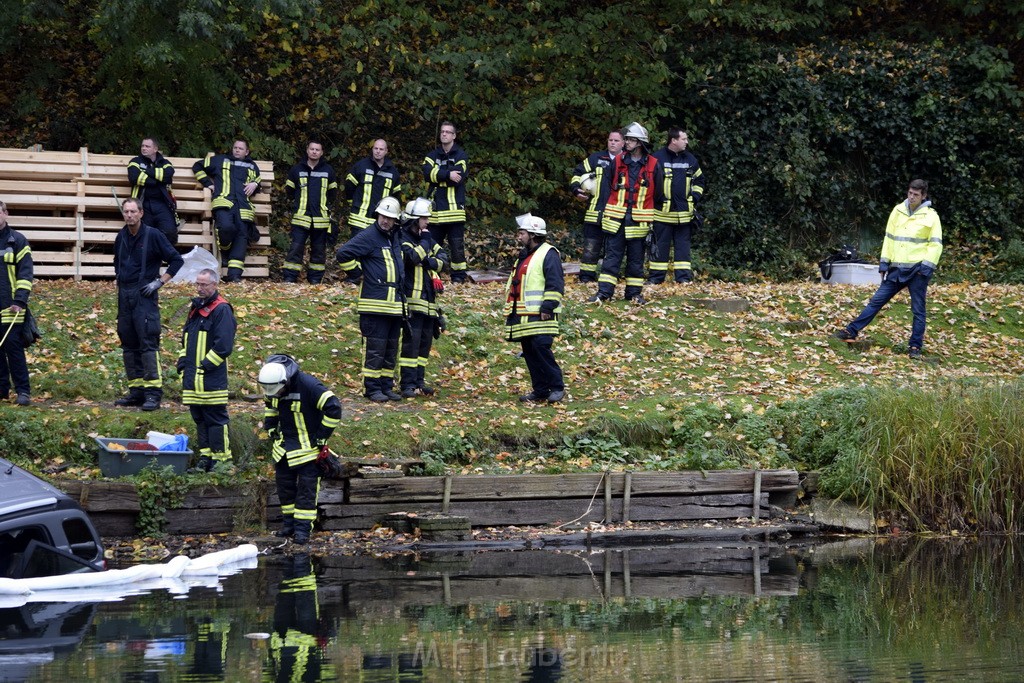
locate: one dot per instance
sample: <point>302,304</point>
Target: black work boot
<point>302,530</point>
<point>204,464</point>
<point>134,397</point>
<point>152,401</point>
<point>287,529</point>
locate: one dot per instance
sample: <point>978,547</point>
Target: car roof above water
<point>22,492</point>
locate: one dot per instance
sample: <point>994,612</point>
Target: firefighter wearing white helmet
<point>588,186</point>
<point>533,302</point>
<point>300,416</point>
<point>424,259</point>
<point>374,256</point>
<point>634,187</point>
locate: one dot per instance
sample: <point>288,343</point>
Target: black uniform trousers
<point>212,430</point>
<point>380,350</point>
<point>233,239</point>
<point>297,251</point>
<point>616,247</point>
<point>13,364</point>
<point>545,373</point>
<point>417,339</point>
<point>593,249</point>
<point>455,233</point>
<point>161,216</point>
<point>297,486</point>
<point>668,236</point>
<point>138,328</point>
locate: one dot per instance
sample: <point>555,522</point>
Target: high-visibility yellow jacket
<point>535,286</point>
<point>912,238</point>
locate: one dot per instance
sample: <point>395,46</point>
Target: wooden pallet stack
<point>68,206</point>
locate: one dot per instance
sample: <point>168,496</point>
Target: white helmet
<point>589,183</point>
<point>635,130</point>
<point>388,207</point>
<point>418,208</point>
<point>273,379</point>
<point>534,225</point>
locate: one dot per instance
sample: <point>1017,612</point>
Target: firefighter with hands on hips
<point>139,251</point>
<point>150,176</point>
<point>368,181</point>
<point>533,303</point>
<point>301,414</point>
<point>234,179</point>
<point>587,185</point>
<point>312,189</point>
<point>633,182</point>
<point>424,259</point>
<point>15,287</point>
<point>446,169</point>
<point>375,257</point>
<point>207,340</point>
<point>682,189</point>
<point>910,254</point>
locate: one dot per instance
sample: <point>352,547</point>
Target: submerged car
<point>43,531</point>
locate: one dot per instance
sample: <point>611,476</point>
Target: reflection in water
<point>856,610</point>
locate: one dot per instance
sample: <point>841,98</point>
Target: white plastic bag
<point>159,439</point>
<point>195,261</point>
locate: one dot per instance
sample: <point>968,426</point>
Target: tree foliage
<point>808,116</point>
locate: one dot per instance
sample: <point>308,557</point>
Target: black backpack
<point>844,254</point>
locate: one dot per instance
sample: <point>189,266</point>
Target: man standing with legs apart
<point>301,414</point>
<point>532,304</point>
<point>15,286</point>
<point>446,169</point>
<point>139,251</point>
<point>312,190</point>
<point>368,181</point>
<point>588,185</point>
<point>375,257</point>
<point>910,254</point>
<point>150,176</point>
<point>233,179</point>
<point>424,259</point>
<point>633,181</point>
<point>206,342</point>
<point>682,188</point>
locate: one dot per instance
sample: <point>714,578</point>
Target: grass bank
<point>673,385</point>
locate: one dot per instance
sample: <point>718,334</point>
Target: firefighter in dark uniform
<point>150,176</point>
<point>587,185</point>
<point>234,179</point>
<point>312,189</point>
<point>301,414</point>
<point>15,286</point>
<point>682,188</point>
<point>424,259</point>
<point>446,169</point>
<point>295,651</point>
<point>368,181</point>
<point>139,251</point>
<point>533,302</point>
<point>633,189</point>
<point>206,342</point>
<point>375,255</point>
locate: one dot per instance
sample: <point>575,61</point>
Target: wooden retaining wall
<point>67,205</point>
<point>486,500</point>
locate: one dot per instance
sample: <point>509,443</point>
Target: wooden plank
<point>101,496</point>
<point>181,521</point>
<point>583,485</point>
<point>110,524</point>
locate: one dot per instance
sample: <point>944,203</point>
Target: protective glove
<point>152,287</point>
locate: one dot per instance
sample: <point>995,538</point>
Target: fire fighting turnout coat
<point>206,342</point>
<point>377,258</point>
<point>597,163</point>
<point>16,282</point>
<point>682,186</point>
<point>302,420</point>
<point>635,197</point>
<point>366,184</point>
<point>311,192</point>
<point>228,177</point>
<point>423,258</point>
<point>535,286</point>
<point>449,198</point>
